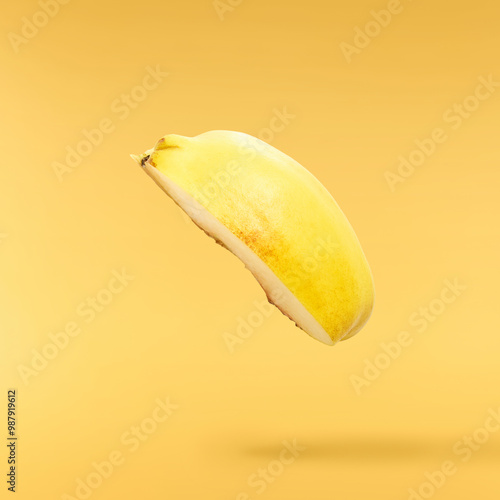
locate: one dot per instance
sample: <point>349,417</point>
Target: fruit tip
<point>136,158</point>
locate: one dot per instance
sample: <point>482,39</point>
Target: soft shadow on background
<point>382,448</point>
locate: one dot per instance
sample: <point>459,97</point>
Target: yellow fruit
<point>278,219</point>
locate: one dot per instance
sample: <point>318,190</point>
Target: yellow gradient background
<point>162,336</point>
